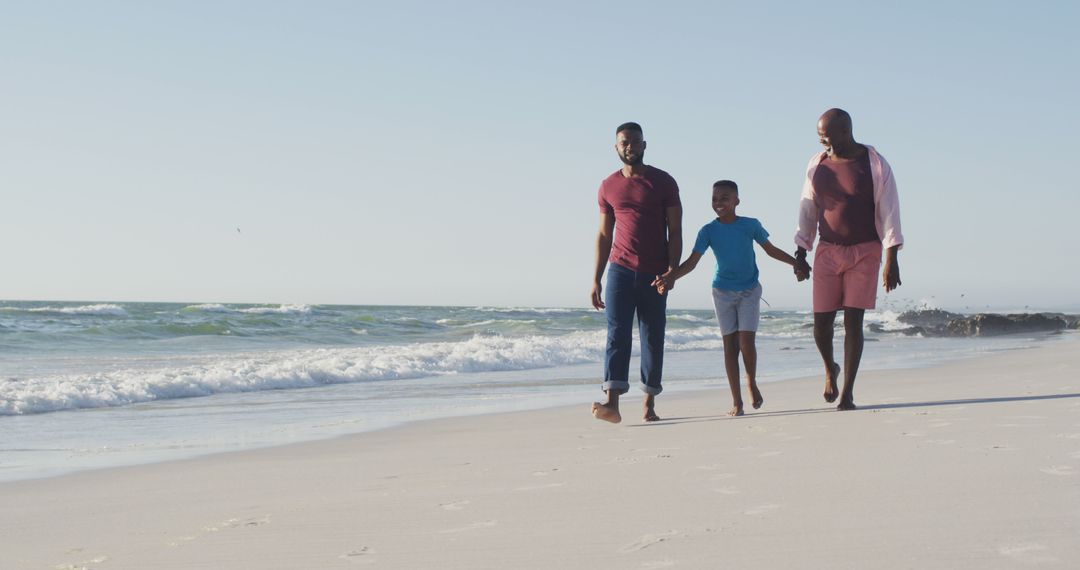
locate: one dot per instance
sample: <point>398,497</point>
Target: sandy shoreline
<point>972,464</point>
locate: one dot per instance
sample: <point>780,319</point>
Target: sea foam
<point>295,369</point>
<point>278,310</point>
<point>98,309</point>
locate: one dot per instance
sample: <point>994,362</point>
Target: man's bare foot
<point>846,404</point>
<point>650,409</point>
<point>736,411</point>
<point>831,392</point>
<point>608,412</point>
<point>757,400</point>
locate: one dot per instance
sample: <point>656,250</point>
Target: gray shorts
<point>737,310</point>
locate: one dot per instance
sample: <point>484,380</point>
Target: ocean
<point>100,384</point>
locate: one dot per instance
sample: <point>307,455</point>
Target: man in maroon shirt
<point>641,234</point>
<point>850,197</point>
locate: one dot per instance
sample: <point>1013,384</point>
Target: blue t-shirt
<point>733,246</point>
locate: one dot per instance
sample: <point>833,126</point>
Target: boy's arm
<point>777,253</point>
<point>686,267</point>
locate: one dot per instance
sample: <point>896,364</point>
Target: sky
<point>415,153</point>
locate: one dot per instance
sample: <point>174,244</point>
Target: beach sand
<point>973,464</point>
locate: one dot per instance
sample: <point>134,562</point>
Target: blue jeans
<point>629,291</point>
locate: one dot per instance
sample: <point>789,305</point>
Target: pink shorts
<point>846,276</point>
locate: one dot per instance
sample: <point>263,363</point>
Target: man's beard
<point>638,160</point>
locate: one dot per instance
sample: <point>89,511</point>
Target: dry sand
<point>973,464</point>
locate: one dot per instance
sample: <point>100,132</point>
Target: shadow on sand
<point>872,407</point>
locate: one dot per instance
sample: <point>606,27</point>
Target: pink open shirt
<point>886,203</point>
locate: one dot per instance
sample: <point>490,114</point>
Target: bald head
<point>838,117</point>
<point>834,132</point>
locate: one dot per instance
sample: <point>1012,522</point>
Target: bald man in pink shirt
<point>849,197</point>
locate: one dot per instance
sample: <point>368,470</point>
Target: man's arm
<point>674,245</point>
<point>887,211</point>
<point>603,251</point>
<point>808,211</point>
<point>802,268</point>
<point>887,208</point>
<point>891,274</point>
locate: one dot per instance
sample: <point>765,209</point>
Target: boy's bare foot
<point>736,411</point>
<point>831,392</point>
<point>757,400</point>
<point>608,412</point>
<point>846,404</point>
<point>650,409</point>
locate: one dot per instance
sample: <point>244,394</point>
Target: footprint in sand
<point>535,487</point>
<point>711,467</point>
<point>1029,552</point>
<point>455,506</point>
<point>237,523</point>
<point>648,540</point>
<point>361,555</point>
<point>81,565</point>
<point>762,509</point>
<point>1061,470</point>
<point>640,458</point>
<point>224,525</point>
<point>545,473</point>
<point>473,526</point>
<point>182,540</point>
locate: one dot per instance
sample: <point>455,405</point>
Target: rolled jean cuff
<point>616,387</point>
<point>651,390</point>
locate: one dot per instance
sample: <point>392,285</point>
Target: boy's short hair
<point>631,126</point>
<point>725,184</point>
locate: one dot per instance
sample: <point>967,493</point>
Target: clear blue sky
<point>450,153</point>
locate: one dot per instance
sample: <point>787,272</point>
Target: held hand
<point>664,283</point>
<point>802,269</point>
<point>597,297</point>
<point>891,275</point>
<point>661,287</point>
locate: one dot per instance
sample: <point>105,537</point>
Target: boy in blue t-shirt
<point>736,291</point>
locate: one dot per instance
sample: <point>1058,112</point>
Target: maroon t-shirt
<point>640,207</point>
<point>845,201</point>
